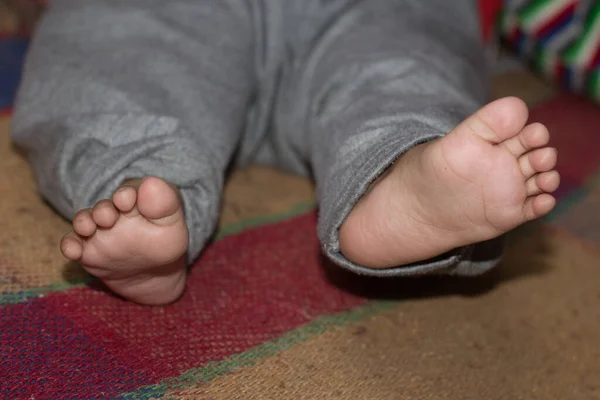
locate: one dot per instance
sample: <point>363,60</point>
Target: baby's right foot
<point>135,243</point>
<point>486,177</point>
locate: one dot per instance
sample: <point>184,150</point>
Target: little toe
<point>531,137</point>
<point>539,160</point>
<point>83,223</point>
<point>538,206</point>
<point>71,246</point>
<point>105,214</point>
<point>124,198</point>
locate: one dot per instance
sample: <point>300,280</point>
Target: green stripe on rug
<point>593,85</point>
<point>249,357</point>
<point>228,229</point>
<point>237,227</point>
<point>573,52</point>
<point>533,8</point>
<point>541,60</point>
<point>19,297</point>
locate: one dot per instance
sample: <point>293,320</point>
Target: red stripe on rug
<point>488,13</point>
<point>43,355</point>
<point>556,20</point>
<point>245,290</point>
<point>595,63</point>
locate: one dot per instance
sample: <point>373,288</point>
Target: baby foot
<point>135,243</point>
<point>489,175</point>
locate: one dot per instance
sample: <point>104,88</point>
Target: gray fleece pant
<point>181,89</point>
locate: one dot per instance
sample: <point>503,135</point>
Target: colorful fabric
<point>561,39</point>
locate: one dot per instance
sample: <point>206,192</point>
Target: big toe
<point>157,200</point>
<point>498,121</point>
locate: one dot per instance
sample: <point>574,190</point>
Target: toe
<point>531,137</point>
<point>83,223</point>
<point>158,201</point>
<point>545,182</point>
<point>539,160</point>
<point>71,246</point>
<point>498,121</point>
<point>538,206</point>
<point>105,214</point>
<point>124,198</point>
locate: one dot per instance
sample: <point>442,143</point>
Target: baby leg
<point>409,173</point>
<point>114,92</point>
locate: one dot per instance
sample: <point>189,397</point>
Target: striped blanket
<point>560,38</point>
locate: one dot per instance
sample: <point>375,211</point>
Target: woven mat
<point>266,317</point>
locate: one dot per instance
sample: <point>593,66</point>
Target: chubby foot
<point>489,175</point>
<point>135,242</point>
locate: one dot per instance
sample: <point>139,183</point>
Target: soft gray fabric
<point>117,89</point>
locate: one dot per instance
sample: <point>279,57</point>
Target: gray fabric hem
<point>468,268</point>
<point>485,256</point>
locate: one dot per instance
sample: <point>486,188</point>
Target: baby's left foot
<point>135,242</point>
<point>489,175</point>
